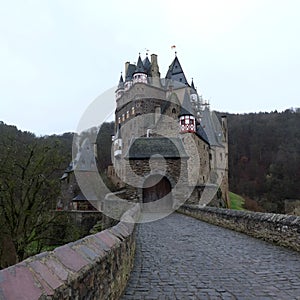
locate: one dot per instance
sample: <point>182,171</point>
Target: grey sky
<point>57,56</point>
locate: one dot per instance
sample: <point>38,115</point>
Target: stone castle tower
<point>168,146</point>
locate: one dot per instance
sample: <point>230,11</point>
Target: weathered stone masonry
<point>95,267</point>
<point>283,230</point>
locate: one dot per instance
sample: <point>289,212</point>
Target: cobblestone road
<point>179,257</point>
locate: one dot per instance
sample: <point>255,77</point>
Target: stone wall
<point>95,267</point>
<point>283,230</point>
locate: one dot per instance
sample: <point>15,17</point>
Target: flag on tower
<point>173,47</point>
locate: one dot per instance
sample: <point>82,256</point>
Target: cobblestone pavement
<point>179,257</point>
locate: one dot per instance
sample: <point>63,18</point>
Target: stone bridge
<point>177,257</point>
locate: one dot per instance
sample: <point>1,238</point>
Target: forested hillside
<point>264,157</point>
<point>30,169</point>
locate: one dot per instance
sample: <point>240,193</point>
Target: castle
<point>168,147</point>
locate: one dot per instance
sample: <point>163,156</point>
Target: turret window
<point>119,120</point>
<point>132,110</point>
<point>123,117</point>
<point>187,123</point>
<point>127,114</point>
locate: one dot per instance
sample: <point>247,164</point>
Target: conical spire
<point>121,82</point>
<point>192,85</point>
<point>175,72</point>
<point>140,66</point>
<point>147,64</point>
<point>186,107</point>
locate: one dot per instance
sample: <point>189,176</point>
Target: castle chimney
<point>126,68</point>
<point>155,71</point>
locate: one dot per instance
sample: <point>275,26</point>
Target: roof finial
<point>175,53</point>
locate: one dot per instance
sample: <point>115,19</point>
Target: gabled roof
<point>186,106</point>
<point>144,148</point>
<point>176,73</point>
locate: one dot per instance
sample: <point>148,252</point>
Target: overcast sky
<point>57,56</point>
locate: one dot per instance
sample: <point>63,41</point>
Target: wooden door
<point>156,188</point>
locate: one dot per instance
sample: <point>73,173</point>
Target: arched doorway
<point>157,187</point>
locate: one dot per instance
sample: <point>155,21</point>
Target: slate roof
<point>186,106</point>
<point>176,73</point>
<point>192,85</point>
<point>140,66</point>
<point>144,148</point>
<point>212,127</point>
<point>121,82</point>
<point>130,71</point>
<point>147,64</point>
<point>202,134</point>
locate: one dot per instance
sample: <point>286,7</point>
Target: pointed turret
<point>140,75</point>
<point>120,89</point>
<point>147,65</point>
<point>121,82</point>
<point>192,85</point>
<point>140,66</point>
<point>187,120</point>
<point>176,73</point>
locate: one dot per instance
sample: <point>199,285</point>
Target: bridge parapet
<point>283,230</point>
<point>95,267</point>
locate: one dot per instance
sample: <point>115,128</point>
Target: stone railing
<point>95,267</point>
<point>280,229</point>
